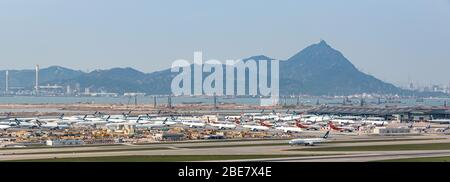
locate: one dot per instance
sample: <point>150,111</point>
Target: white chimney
<point>7,82</point>
<point>37,80</point>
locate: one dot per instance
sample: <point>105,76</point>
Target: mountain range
<point>316,70</point>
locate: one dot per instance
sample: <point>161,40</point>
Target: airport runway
<point>364,157</point>
<point>270,147</point>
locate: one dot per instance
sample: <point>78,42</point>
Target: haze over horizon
<point>397,41</point>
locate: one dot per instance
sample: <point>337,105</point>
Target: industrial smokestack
<point>7,82</point>
<point>37,80</point>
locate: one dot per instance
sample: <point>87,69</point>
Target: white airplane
<point>26,124</point>
<point>347,119</point>
<point>442,129</point>
<point>252,127</point>
<point>193,122</point>
<point>129,121</point>
<point>288,129</point>
<point>9,123</point>
<point>340,128</point>
<point>90,123</point>
<point>232,117</point>
<point>73,118</point>
<point>22,119</point>
<point>94,119</point>
<point>111,119</point>
<point>423,128</point>
<point>261,117</point>
<point>52,125</point>
<point>315,119</point>
<point>374,121</point>
<point>310,141</point>
<point>167,121</point>
<point>221,125</point>
<point>152,125</point>
<point>440,121</point>
<point>290,117</point>
<point>159,120</point>
<point>307,127</point>
<point>343,121</point>
<point>4,127</point>
<point>256,127</point>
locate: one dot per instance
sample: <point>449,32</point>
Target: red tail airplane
<point>341,129</point>
<point>299,125</point>
<point>265,124</point>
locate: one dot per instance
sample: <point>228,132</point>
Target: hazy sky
<point>393,40</point>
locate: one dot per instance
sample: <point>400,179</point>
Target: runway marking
<point>402,155</point>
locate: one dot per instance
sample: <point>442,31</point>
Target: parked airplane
<point>252,127</point>
<point>256,127</point>
<point>347,120</point>
<point>4,127</point>
<point>290,117</point>
<point>51,125</point>
<point>376,121</point>
<point>263,117</point>
<point>314,119</point>
<point>341,128</point>
<point>154,124</point>
<point>221,126</point>
<point>193,123</point>
<point>92,123</point>
<point>440,121</point>
<point>423,129</point>
<point>307,127</point>
<point>310,141</point>
<point>23,124</point>
<point>151,126</point>
<point>288,129</point>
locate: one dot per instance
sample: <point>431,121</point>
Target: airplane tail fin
<point>62,116</point>
<point>138,119</point>
<point>38,122</point>
<point>265,124</point>
<point>327,134</point>
<point>332,126</point>
<point>237,121</point>
<point>298,124</point>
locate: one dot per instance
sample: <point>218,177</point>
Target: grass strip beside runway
<point>421,159</point>
<point>159,158</point>
<point>93,151</point>
<point>399,147</point>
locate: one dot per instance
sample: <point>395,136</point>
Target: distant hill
<point>316,70</point>
<point>26,78</point>
<point>321,70</point>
